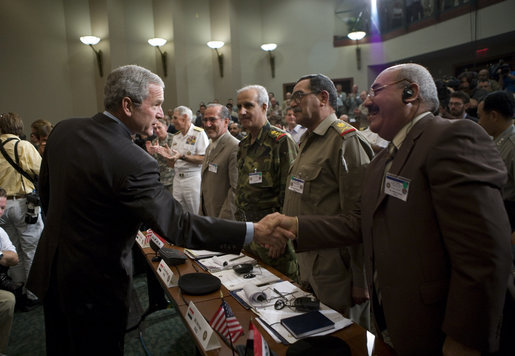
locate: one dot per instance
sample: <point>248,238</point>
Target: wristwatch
<point>1,255</point>
<point>183,157</point>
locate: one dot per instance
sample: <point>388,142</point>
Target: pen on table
<point>280,294</point>
<point>233,259</point>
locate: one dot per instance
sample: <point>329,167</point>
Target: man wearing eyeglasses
<point>325,179</point>
<point>432,221</point>
<point>219,170</point>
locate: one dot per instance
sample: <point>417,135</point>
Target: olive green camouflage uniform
<point>271,155</point>
<point>166,172</point>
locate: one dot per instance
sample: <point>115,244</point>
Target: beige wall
<point>47,73</point>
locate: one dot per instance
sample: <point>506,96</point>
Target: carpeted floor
<point>161,333</point>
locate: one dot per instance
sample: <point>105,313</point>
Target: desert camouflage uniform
<point>268,157</point>
<point>166,172</point>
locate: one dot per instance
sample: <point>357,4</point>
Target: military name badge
<point>255,177</point>
<point>396,186</point>
<point>213,167</point>
<point>296,185</point>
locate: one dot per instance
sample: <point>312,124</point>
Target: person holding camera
<point>8,257</point>
<point>19,167</point>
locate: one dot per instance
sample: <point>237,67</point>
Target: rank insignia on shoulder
<point>277,134</point>
<point>344,128</point>
<point>196,128</point>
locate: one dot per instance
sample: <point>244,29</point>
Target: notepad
<point>307,324</point>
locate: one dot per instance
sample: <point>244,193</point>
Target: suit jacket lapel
<point>400,158</point>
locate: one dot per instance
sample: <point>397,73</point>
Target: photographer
<point>8,257</point>
<point>506,78</point>
<point>19,166</point>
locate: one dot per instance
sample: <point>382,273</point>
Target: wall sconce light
<point>356,36</point>
<point>215,45</point>
<point>269,47</point>
<point>158,43</point>
<point>91,41</point>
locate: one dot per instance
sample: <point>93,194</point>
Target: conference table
<point>360,341</point>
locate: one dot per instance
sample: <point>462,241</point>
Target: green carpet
<point>162,332</point>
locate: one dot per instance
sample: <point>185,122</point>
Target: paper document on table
<point>198,254</point>
<point>287,292</point>
<point>258,276</point>
<point>219,263</point>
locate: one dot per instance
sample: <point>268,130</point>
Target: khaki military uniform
<point>262,172</point>
<point>325,179</point>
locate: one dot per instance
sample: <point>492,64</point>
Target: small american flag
<point>226,323</point>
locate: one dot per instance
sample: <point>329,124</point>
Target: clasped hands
<point>166,152</point>
<point>274,231</point>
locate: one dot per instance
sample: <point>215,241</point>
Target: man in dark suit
<point>432,222</point>
<point>219,169</point>
<point>97,187</point>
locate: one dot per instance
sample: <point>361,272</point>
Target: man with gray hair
<point>186,156</point>
<point>264,158</point>
<point>97,188</point>
<point>432,221</point>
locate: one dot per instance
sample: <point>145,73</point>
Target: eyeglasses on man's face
<point>373,91</point>
<point>298,95</point>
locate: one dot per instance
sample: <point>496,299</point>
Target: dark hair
<point>471,78</point>
<point>444,93</point>
<point>11,123</point>
<point>500,101</point>
<point>3,193</point>
<point>461,95</point>
<point>319,82</point>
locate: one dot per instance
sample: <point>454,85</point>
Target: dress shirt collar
<point>510,130</point>
<point>111,116</point>
<point>403,133</point>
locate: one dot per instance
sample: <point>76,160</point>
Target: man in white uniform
<point>186,156</point>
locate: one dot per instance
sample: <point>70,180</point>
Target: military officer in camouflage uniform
<point>325,178</point>
<point>164,139</point>
<point>264,158</point>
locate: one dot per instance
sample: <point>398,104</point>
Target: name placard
<point>166,274</point>
<point>201,329</point>
<point>156,240</point>
<point>142,240</point>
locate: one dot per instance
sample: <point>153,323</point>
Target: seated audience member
<point>233,118</point>
<point>8,257</point>
<point>486,85</point>
<point>496,117</point>
<point>163,139</point>
<point>361,112</point>
<point>458,104</point>
<point>40,129</point>
<point>235,130</point>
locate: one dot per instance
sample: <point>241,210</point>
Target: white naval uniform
<point>186,183</point>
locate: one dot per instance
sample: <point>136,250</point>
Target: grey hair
<point>224,112</point>
<point>418,74</point>
<point>128,81</point>
<point>184,110</point>
<point>262,94</point>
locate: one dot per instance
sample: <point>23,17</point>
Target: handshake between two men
<point>274,231</point>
